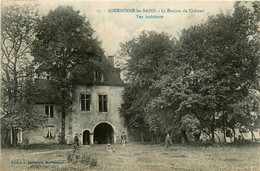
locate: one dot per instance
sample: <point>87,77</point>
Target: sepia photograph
<point>130,85</point>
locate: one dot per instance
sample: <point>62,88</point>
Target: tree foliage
<point>16,34</point>
<point>205,74</point>
<point>146,52</point>
<point>64,40</point>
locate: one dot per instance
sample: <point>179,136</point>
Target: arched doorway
<point>103,134</point>
<point>86,137</point>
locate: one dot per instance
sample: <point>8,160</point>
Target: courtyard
<point>134,156</point>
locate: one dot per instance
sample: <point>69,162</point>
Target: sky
<point>115,27</point>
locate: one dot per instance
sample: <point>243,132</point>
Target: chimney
<point>111,60</point>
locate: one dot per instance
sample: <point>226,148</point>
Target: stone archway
<point>86,137</point>
<point>104,133</point>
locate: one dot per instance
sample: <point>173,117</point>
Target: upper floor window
<point>98,77</point>
<point>85,102</point>
<point>49,111</point>
<point>102,103</point>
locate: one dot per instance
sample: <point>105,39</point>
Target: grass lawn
<point>135,156</point>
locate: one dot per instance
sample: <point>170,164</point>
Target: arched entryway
<point>103,134</point>
<point>86,137</point>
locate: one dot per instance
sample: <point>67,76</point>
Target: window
<point>50,132</point>
<point>228,133</point>
<point>49,111</point>
<point>98,77</point>
<point>44,76</point>
<point>85,102</point>
<point>103,103</point>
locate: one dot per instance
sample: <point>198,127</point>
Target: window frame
<point>49,111</point>
<point>85,99</point>
<point>98,77</point>
<point>228,133</point>
<point>102,103</point>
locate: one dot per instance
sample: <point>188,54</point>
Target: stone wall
<point>78,121</point>
<point>40,135</point>
<point>88,120</point>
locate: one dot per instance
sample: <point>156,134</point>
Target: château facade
<point>95,111</point>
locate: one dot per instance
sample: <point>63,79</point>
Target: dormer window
<point>98,77</point>
<point>44,75</point>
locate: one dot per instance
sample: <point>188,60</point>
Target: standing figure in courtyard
<point>168,140</point>
<point>76,141</point>
<point>123,138</point>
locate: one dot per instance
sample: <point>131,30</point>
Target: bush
<point>206,143</point>
<point>243,142</point>
<point>76,156</point>
<point>93,162</point>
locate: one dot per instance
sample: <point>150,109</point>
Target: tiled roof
<point>46,92</point>
<point>47,89</point>
<point>111,75</point>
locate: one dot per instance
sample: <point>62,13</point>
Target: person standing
<point>123,138</point>
<point>168,140</point>
<point>76,141</point>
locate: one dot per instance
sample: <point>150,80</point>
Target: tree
<point>218,60</point>
<point>64,40</point>
<point>245,114</point>
<point>146,52</point>
<point>203,75</point>
<point>16,33</point>
<point>174,101</point>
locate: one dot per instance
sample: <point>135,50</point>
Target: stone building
<point>95,111</point>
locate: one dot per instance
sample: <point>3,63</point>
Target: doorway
<point>103,134</point>
<point>86,137</point>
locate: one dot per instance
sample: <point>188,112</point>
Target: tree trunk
<point>197,136</point>
<point>216,135</point>
<point>154,138</point>
<point>63,141</point>
<point>234,133</point>
<point>14,136</point>
<point>253,136</point>
<point>142,137</point>
<point>224,130</point>
<point>63,118</point>
<point>242,135</point>
<point>7,138</point>
<point>213,129</point>
<point>184,138</point>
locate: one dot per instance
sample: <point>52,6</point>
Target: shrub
<point>206,143</point>
<point>93,162</point>
<point>77,156</point>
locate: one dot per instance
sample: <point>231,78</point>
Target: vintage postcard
<point>130,85</point>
